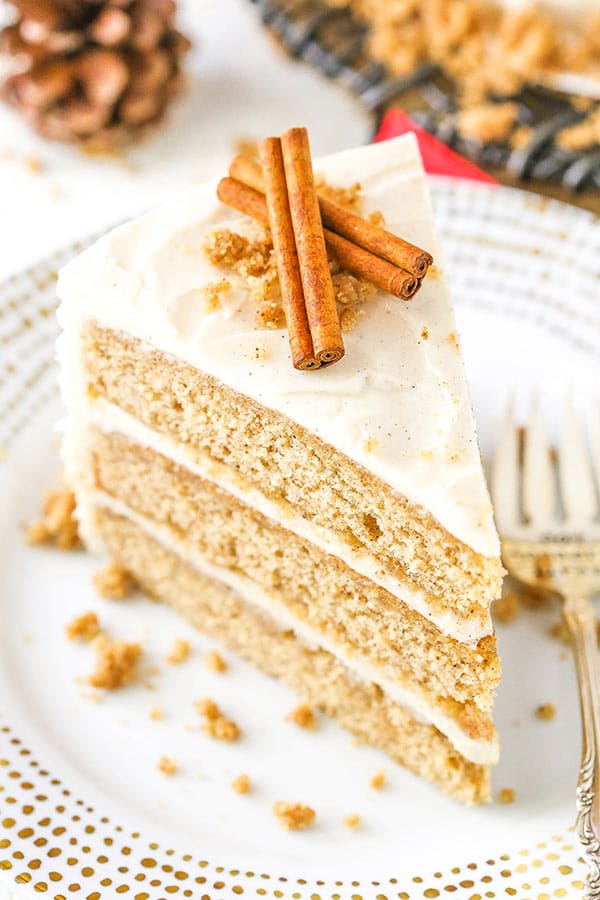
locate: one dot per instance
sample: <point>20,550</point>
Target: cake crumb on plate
<point>215,661</point>
<point>58,525</point>
<point>241,784</point>
<point>216,725</point>
<point>303,716</point>
<point>113,582</point>
<point>294,816</point>
<point>506,795</point>
<point>116,663</point>
<point>179,652</point>
<point>352,820</point>
<point>378,781</point>
<point>167,766</point>
<point>545,712</point>
<point>84,628</point>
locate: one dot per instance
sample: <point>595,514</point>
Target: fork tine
<point>539,489</point>
<point>594,420</point>
<point>576,475</point>
<point>504,481</point>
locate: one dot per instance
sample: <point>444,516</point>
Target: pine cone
<point>93,71</point>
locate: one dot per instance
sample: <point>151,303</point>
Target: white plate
<point>81,800</point>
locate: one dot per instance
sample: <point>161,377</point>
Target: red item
<point>438,159</point>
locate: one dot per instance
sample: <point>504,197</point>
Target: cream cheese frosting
<point>397,403</point>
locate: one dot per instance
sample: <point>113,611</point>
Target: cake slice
<point>332,526</point>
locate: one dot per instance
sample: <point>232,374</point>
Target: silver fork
<point>546,506</point>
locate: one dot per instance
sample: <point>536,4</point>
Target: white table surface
<point>240,87</point>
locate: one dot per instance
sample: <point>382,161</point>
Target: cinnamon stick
<point>361,263</point>
<point>357,230</point>
<point>319,296</point>
<point>379,241</point>
<point>383,274</point>
<point>288,267</point>
<point>243,198</point>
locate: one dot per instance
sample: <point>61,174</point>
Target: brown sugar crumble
<point>303,716</point>
<point>215,724</point>
<point>156,713</point>
<point>241,784</point>
<point>488,121</point>
<point>425,333</point>
<point>116,663</point>
<point>483,48</point>
<point>213,292</point>
<point>350,318</point>
<point>506,608</point>
<point>378,781</point>
<point>179,652</point>
<point>215,661</point>
<point>352,820</point>
<point>294,816</point>
<point>167,766</point>
<point>582,136</point>
<point>545,712</point>
<point>58,526</point>
<point>506,795</point>
<point>84,628</point>
<point>251,256</point>
<point>114,582</point>
<point>349,197</point>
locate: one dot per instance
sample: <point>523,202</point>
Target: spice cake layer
<point>345,505</point>
<point>452,682</point>
<point>295,471</point>
<point>311,671</point>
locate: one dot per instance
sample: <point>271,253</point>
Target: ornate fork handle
<point>581,620</point>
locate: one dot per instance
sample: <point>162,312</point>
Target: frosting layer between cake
<point>397,404</point>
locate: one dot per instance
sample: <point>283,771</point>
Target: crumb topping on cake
<point>212,294</point>
<point>294,816</point>
<point>252,257</point>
